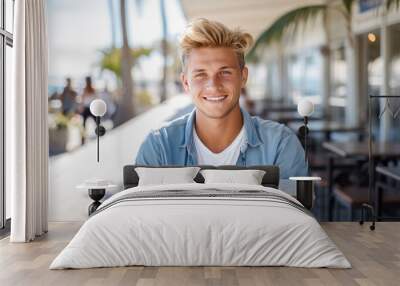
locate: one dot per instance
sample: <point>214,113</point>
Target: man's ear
<point>245,74</point>
<point>184,82</point>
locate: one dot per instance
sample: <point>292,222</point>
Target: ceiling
<point>252,16</point>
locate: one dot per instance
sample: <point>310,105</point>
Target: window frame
<point>6,39</point>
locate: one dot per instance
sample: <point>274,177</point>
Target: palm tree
<point>126,107</point>
<point>111,59</point>
<point>290,22</point>
<point>164,51</point>
<point>287,24</point>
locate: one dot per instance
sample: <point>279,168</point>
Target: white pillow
<point>163,176</point>
<point>249,177</point>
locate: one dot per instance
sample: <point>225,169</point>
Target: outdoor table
<point>327,128</point>
<point>360,151</point>
<point>288,116</point>
<point>388,178</point>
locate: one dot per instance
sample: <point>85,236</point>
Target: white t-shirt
<point>228,156</point>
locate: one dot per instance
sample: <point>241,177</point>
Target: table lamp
<point>305,185</point>
<point>98,108</point>
<point>305,108</point>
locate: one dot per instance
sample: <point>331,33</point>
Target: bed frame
<point>270,179</point>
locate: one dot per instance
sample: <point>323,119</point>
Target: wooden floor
<point>375,257</point>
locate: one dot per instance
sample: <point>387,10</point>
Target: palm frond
<point>392,3</point>
<point>111,58</point>
<point>288,22</point>
<point>348,5</point>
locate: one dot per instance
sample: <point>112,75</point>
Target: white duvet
<point>200,231</point>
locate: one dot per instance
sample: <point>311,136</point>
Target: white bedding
<point>182,231</point>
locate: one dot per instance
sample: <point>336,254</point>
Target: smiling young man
<point>218,131</point>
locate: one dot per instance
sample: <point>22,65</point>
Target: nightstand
<point>96,190</point>
<point>305,190</point>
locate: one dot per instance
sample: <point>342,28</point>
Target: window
<point>304,75</point>
<point>6,43</point>
<point>9,19</point>
<point>338,96</point>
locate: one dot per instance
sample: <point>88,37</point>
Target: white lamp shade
<point>305,107</point>
<point>98,107</point>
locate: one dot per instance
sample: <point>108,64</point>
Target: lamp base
<point>305,190</point>
<point>304,193</point>
<point>96,195</point>
<point>100,130</point>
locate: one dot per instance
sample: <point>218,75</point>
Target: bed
<point>201,224</point>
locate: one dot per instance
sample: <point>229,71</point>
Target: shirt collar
<point>189,129</point>
<point>253,138</point>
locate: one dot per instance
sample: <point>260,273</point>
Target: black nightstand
<point>305,190</point>
<point>96,193</point>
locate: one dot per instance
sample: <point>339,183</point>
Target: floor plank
<point>374,255</point>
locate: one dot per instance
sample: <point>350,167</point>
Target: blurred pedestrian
<point>68,98</point>
<point>88,95</point>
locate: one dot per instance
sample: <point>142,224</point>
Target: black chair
<point>351,197</point>
<point>352,193</point>
<point>351,189</point>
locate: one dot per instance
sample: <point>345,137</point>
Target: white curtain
<point>26,123</point>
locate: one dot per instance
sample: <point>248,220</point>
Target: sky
<point>79,29</point>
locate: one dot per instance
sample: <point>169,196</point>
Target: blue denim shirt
<point>267,143</point>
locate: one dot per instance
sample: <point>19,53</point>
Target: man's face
<point>214,79</point>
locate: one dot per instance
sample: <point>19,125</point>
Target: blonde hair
<point>203,33</point>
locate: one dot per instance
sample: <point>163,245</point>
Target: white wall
<point>117,148</point>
